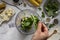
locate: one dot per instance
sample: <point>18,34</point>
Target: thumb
<point>39,26</point>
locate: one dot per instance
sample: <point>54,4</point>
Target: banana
<point>2,5</point>
<point>39,1</point>
<point>33,2</point>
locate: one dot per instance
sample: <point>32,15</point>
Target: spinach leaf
<point>43,15</point>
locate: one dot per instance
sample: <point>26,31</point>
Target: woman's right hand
<point>41,33</point>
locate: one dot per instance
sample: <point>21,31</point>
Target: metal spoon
<point>55,31</point>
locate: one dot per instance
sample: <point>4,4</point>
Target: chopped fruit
<point>9,12</point>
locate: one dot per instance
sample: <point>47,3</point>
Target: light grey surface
<point>13,33</point>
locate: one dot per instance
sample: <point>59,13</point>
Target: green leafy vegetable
<point>35,21</point>
<point>43,15</point>
<point>54,23</point>
<point>39,8</point>
<point>51,7</point>
<point>27,22</point>
<point>51,25</point>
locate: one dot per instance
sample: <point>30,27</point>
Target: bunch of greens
<point>35,20</point>
<point>27,22</point>
<point>51,7</point>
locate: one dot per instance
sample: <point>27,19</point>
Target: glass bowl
<point>20,15</point>
<point>46,3</point>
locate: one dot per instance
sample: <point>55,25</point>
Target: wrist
<point>34,38</point>
<point>38,38</point>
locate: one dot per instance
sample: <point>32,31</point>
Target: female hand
<point>41,33</point>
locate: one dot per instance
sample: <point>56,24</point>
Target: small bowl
<point>46,2</point>
<point>25,13</point>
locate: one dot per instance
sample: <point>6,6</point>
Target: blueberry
<point>15,1</point>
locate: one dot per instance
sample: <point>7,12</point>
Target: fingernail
<point>39,24</point>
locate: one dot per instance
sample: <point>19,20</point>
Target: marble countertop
<point>14,34</point>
